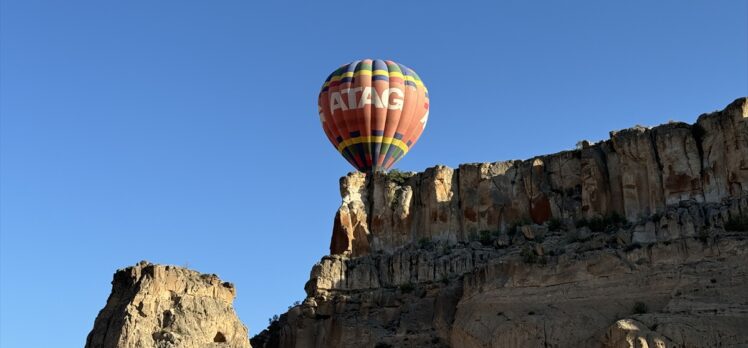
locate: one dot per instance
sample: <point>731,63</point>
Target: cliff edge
<point>168,307</point>
<point>636,241</point>
<point>637,174</point>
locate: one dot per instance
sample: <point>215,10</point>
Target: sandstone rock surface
<point>166,306</point>
<point>637,173</point>
<point>683,293</point>
<point>636,241</point>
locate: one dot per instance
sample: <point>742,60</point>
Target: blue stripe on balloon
<point>405,70</point>
<point>380,65</point>
<point>351,67</point>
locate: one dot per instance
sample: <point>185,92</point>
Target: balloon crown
<point>373,112</point>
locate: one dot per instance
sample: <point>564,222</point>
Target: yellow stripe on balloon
<point>373,139</point>
<point>414,80</point>
<point>335,78</point>
<point>396,74</point>
<point>339,77</point>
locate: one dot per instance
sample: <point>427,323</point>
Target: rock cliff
<point>637,173</point>
<point>166,306</point>
<point>636,241</point>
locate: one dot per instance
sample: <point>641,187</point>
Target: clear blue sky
<point>186,132</point>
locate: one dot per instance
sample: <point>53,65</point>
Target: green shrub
<point>445,249</point>
<point>703,235</point>
<point>574,236</point>
<point>597,224</point>
<point>656,217</point>
<point>737,223</point>
<point>602,224</point>
<point>397,177</point>
<point>425,243</point>
<point>473,237</point>
<point>554,224</point>
<point>407,288</point>
<point>528,255</point>
<point>514,227</point>
<point>485,237</point>
<point>616,219</point>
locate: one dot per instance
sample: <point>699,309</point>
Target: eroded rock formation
<point>637,241</point>
<point>637,173</point>
<point>686,293</point>
<point>168,307</point>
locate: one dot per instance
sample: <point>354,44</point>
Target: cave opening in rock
<point>219,337</point>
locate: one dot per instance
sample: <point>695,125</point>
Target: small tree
<point>407,288</point>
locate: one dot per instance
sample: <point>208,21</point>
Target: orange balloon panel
<point>373,112</point>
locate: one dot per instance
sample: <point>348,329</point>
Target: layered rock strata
<point>637,173</point>
<point>168,307</point>
<point>688,292</point>
<point>636,241</point>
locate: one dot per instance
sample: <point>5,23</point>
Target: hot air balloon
<point>373,112</point>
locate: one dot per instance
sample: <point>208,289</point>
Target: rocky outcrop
<point>556,293</point>
<point>167,306</point>
<point>637,173</point>
<point>637,241</point>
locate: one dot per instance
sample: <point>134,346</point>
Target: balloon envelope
<point>373,112</point>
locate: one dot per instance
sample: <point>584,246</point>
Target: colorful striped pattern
<point>379,110</point>
<point>343,75</point>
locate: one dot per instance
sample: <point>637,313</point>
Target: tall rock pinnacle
<point>168,307</point>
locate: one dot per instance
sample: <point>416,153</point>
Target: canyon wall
<point>636,241</point>
<point>637,173</point>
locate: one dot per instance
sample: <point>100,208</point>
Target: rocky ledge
<point>558,290</point>
<point>637,174</point>
<point>168,307</point>
<point>636,241</point>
